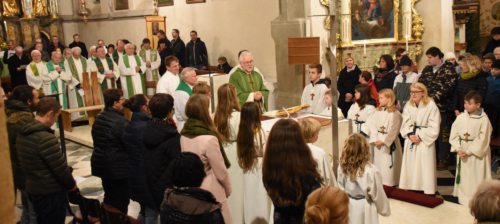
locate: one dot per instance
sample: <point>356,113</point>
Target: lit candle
<point>406,40</point>
<point>364,48</point>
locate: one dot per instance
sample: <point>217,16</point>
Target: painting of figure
<point>165,3</point>
<point>372,19</point>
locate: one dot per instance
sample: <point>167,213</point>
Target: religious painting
<point>194,1</point>
<point>373,19</point>
<point>153,25</point>
<point>121,5</point>
<point>165,3</point>
<point>156,27</point>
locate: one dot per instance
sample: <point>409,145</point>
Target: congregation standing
<point>173,150</point>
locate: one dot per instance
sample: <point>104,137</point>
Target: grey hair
<point>187,70</point>
<point>74,49</point>
<point>35,52</point>
<point>55,53</point>
<point>243,54</point>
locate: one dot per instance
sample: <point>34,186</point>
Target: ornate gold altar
<point>370,28</point>
<point>31,19</point>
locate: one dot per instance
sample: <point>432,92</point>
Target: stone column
<point>290,23</point>
<point>407,21</point>
<point>30,31</point>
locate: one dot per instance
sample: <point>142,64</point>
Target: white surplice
<point>367,198</point>
<point>324,166</point>
<point>359,117</point>
<point>471,133</point>
<point>168,83</point>
<point>76,79</point>
<point>131,72</point>
<point>149,72</point>
<point>34,77</point>
<point>102,76</point>
<point>314,95</point>
<point>58,78</point>
<point>385,126</point>
<point>418,170</point>
<point>328,112</point>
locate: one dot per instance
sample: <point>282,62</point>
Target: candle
<point>364,48</point>
<point>406,40</point>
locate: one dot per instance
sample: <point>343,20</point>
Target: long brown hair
<point>227,102</point>
<point>249,127</point>
<point>365,97</point>
<point>327,205</point>
<point>197,108</point>
<point>287,160</point>
<point>355,156</point>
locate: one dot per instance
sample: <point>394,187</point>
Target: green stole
<point>116,57</point>
<point>34,69</point>
<point>153,56</point>
<point>194,127</point>
<point>183,86</point>
<point>74,73</point>
<point>100,69</point>
<point>130,84</point>
<point>53,85</point>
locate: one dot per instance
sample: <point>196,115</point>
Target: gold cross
<point>357,116</point>
<point>312,96</point>
<point>382,130</point>
<point>466,137</point>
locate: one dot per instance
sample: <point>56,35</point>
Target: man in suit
<point>77,43</point>
<point>17,67</point>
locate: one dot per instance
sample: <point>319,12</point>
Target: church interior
<point>352,65</point>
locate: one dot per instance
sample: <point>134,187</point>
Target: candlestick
<point>406,40</point>
<point>364,48</point>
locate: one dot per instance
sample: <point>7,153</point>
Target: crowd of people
<point>184,163</point>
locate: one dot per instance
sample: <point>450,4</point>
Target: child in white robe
<point>313,94</point>
<point>361,110</point>
<point>362,181</point>
<point>310,130</point>
<point>328,109</point>
<point>250,144</point>
<point>384,126</point>
<point>420,129</point>
<point>470,139</point>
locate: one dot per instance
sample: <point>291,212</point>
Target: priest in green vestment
<point>249,83</point>
<point>57,77</point>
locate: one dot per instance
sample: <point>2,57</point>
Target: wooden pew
<point>92,112</point>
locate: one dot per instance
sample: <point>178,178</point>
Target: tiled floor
<point>402,212</point>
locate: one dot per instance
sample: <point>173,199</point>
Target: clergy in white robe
<point>384,126</point>
<point>76,65</point>
<point>107,70</point>
<point>57,78</point>
<point>314,92</point>
<point>470,136</point>
<point>359,115</point>
<point>132,73</point>
<point>420,129</point>
<point>152,59</point>
<point>366,194</point>
<point>170,80</point>
<point>119,52</point>
<point>34,72</point>
<point>182,94</point>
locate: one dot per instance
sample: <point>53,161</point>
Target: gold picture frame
<point>153,25</point>
<point>374,21</point>
<point>194,1</point>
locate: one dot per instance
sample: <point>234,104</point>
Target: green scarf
<point>74,73</point>
<point>53,85</point>
<point>130,84</point>
<point>468,75</point>
<point>34,69</point>
<point>154,56</point>
<point>116,57</point>
<point>194,127</point>
<point>100,69</point>
<point>183,86</point>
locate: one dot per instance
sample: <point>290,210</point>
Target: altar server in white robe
<point>34,72</point>
<point>470,139</point>
<point>361,110</point>
<point>132,72</point>
<point>227,121</point>
<point>251,142</point>
<point>327,112</point>
<point>362,181</point>
<point>76,65</point>
<point>310,130</point>
<point>170,80</point>
<point>57,78</point>
<point>420,129</point>
<point>107,70</point>
<point>314,92</point>
<point>384,126</point>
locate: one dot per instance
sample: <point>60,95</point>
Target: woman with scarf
<point>200,136</point>
<point>469,80</point>
<point>385,75</point>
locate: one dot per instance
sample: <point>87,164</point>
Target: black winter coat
<point>477,83</point>
<point>196,53</point>
<point>17,77</point>
<point>18,114</point>
<point>42,160</point>
<point>133,140</point>
<point>384,79</point>
<point>346,83</point>
<point>109,159</point>
<point>162,142</point>
<point>179,50</point>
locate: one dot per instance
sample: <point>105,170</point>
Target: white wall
<point>226,27</point>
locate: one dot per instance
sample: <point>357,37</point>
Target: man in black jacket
<point>178,47</point>
<point>77,43</point>
<point>17,67</point>
<point>19,110</point>
<point>109,159</point>
<point>55,44</point>
<point>196,52</point>
<point>48,176</point>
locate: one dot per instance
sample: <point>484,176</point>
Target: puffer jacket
<point>18,114</point>
<point>190,205</point>
<point>132,137</point>
<point>109,159</point>
<point>440,85</point>
<point>42,160</point>
<point>476,83</point>
<point>162,142</point>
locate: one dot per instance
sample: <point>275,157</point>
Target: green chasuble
<point>116,57</point>
<point>247,83</point>
<point>128,79</point>
<point>100,69</point>
<point>54,85</point>
<point>183,86</point>
<point>153,56</point>
<point>74,73</point>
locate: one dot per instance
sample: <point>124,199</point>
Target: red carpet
<point>412,197</point>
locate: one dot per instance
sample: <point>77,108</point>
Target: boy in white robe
<point>420,129</point>
<point>470,139</point>
<point>313,94</point>
<point>132,73</point>
<point>361,110</point>
<point>310,130</point>
<point>384,126</point>
<point>362,181</point>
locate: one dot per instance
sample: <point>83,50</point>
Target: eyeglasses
<point>415,92</point>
